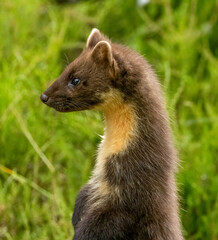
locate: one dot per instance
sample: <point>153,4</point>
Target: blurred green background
<point>46,156</point>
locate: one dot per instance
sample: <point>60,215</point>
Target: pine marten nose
<point>44,98</point>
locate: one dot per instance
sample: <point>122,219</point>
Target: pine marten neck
<point>139,125</point>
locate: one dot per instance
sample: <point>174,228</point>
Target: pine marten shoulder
<point>132,192</point>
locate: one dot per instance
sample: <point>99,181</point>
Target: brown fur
<point>132,193</point>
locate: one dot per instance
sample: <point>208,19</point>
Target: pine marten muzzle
<point>132,191</point>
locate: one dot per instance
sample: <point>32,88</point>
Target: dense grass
<point>45,156</point>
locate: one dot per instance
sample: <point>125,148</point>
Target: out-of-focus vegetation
<point>45,156</point>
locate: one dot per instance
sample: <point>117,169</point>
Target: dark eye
<point>74,82</point>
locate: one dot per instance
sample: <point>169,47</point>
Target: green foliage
<point>45,156</point>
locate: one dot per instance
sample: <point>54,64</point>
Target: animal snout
<point>44,98</point>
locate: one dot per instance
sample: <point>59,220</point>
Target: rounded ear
<point>94,37</point>
<point>102,53</point>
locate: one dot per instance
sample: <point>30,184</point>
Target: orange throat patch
<point>120,130</point>
<point>120,126</point>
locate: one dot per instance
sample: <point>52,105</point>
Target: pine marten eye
<point>74,82</point>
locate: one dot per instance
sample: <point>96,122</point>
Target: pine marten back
<point>132,192</point>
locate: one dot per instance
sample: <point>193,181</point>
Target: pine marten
<point>132,192</point>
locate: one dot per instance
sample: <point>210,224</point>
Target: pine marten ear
<point>94,37</point>
<point>102,53</point>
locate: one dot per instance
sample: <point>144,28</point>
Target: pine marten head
<point>100,69</point>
